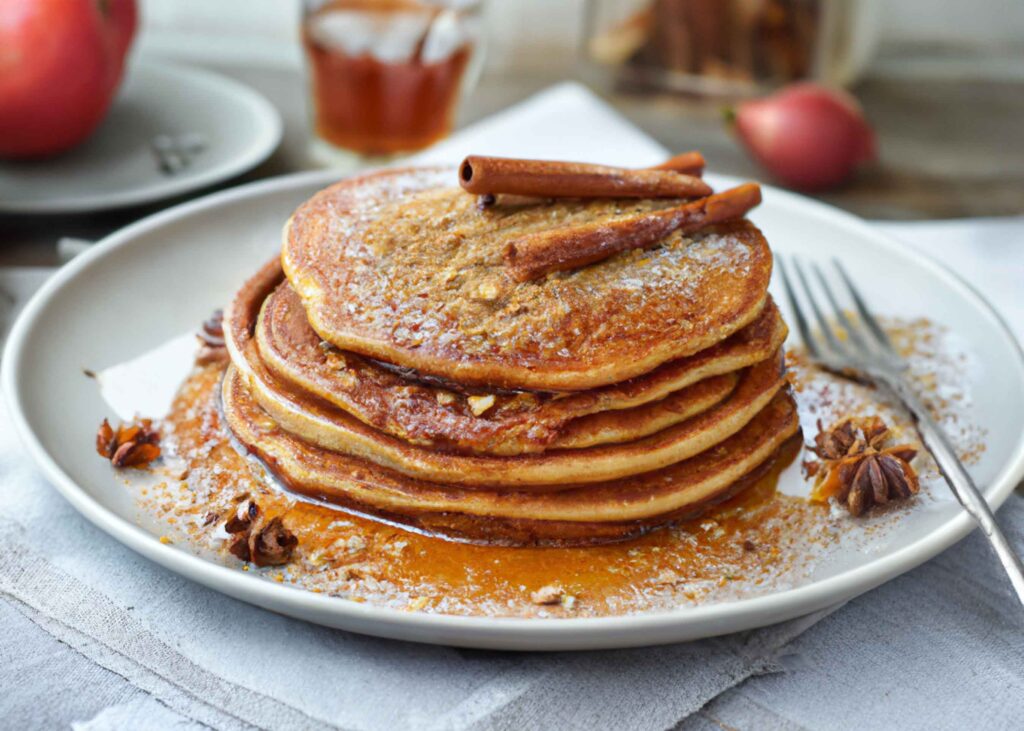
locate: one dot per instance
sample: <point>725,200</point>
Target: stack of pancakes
<point>389,364</point>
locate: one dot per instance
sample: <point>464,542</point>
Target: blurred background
<point>542,35</point>
<point>940,82</point>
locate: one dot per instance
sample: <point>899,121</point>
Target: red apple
<point>807,136</point>
<point>60,64</point>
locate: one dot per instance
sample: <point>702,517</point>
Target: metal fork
<point>867,354</point>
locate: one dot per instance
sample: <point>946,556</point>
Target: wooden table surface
<point>948,149</point>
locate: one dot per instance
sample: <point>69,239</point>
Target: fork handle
<point>962,484</point>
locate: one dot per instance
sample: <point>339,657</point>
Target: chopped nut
<point>550,594</point>
<point>445,398</point>
<point>395,548</point>
<point>355,544</point>
<point>488,291</point>
<point>449,275</point>
<point>666,578</point>
<point>347,379</point>
<point>355,571</point>
<point>418,603</point>
<point>479,404</point>
<point>336,360</point>
<point>371,583</point>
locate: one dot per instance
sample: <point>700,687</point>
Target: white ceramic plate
<point>115,167</point>
<point>161,276</point>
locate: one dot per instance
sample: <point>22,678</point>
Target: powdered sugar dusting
<point>415,265</point>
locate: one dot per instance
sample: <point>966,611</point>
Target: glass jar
<point>386,76</point>
<point>726,47</point>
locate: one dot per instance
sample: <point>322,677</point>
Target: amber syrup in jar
<point>386,75</point>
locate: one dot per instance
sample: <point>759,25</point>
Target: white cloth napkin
<point>92,634</point>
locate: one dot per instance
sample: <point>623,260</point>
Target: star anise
<point>211,340</point>
<point>858,469</point>
<point>264,543</point>
<point>272,544</point>
<point>134,444</point>
<point>849,437</point>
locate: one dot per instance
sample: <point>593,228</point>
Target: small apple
<point>807,136</point>
<point>61,62</point>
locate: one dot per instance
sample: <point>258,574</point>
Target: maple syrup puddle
<point>747,544</point>
<point>759,542</point>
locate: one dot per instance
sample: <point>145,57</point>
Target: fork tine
<point>853,330</point>
<point>823,324</point>
<point>798,313</point>
<point>862,310</point>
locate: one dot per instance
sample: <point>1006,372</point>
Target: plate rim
<point>621,631</point>
<point>268,141</point>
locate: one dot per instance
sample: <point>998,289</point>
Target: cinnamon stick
<point>688,163</point>
<point>550,179</point>
<point>535,255</point>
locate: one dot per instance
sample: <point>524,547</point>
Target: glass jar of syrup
<point>386,75</point>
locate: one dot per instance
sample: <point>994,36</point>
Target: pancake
<point>402,267</point>
<point>438,414</point>
<point>616,427</point>
<point>592,512</point>
<point>330,428</point>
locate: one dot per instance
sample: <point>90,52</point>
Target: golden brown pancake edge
<point>347,299</point>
